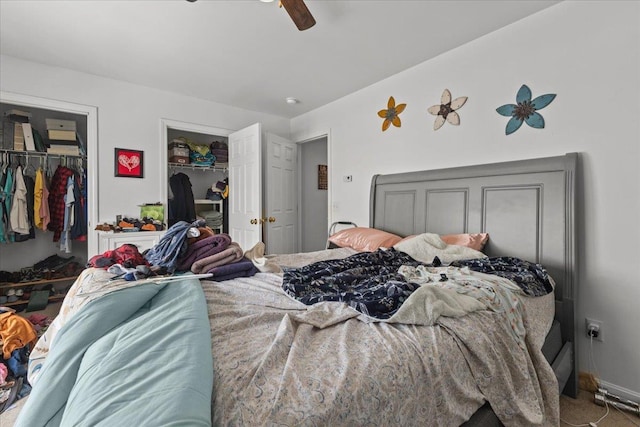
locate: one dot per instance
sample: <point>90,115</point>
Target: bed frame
<point>528,209</point>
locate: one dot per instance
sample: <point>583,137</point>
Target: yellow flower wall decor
<point>446,110</point>
<point>391,114</point>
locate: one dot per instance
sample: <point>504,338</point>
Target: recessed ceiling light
<point>291,100</point>
<point>266,1</point>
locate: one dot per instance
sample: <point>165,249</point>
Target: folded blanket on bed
<point>233,253</point>
<point>203,248</point>
<point>242,268</point>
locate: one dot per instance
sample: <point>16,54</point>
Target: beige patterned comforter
<point>279,362</point>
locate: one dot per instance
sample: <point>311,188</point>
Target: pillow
<point>471,240</point>
<point>425,247</point>
<point>364,239</point>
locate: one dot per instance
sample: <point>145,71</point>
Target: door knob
<point>263,220</point>
<point>272,219</point>
<point>254,221</point>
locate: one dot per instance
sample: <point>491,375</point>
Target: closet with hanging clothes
<point>45,200</point>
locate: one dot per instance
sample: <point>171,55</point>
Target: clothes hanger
<point>48,170</point>
<point>28,169</point>
<point>80,165</point>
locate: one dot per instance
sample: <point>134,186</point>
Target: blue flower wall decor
<point>525,110</point>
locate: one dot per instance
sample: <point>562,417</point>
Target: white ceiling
<point>248,54</point>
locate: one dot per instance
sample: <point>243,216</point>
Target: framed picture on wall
<point>322,177</point>
<point>129,163</point>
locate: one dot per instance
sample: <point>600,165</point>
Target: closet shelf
<point>207,202</point>
<point>6,285</point>
<point>54,298</point>
<point>219,167</point>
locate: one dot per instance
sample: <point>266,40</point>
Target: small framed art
<point>129,163</point>
<point>322,177</point>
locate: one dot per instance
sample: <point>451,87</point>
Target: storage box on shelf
<point>178,152</point>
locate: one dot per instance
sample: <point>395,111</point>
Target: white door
<point>245,186</point>
<point>281,202</point>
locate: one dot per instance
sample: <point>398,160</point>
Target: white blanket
<point>425,247</point>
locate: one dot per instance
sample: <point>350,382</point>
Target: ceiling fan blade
<point>299,13</point>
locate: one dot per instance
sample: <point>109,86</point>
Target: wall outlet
<point>593,329</point>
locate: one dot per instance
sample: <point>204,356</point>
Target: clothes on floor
<point>16,332</point>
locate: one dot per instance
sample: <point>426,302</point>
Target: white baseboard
<point>625,393</point>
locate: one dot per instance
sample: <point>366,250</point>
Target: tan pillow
<point>471,240</point>
<point>425,247</point>
<point>364,239</point>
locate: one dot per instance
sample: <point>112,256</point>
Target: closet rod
<point>38,153</point>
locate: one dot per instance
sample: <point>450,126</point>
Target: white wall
<point>128,117</point>
<point>587,52</point>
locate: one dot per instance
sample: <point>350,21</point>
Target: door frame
<point>301,139</point>
<point>91,113</point>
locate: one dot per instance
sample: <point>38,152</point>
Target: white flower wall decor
<point>446,110</point>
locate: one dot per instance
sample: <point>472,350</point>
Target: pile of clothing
<point>194,247</point>
<point>220,149</point>
<point>18,335</point>
<point>124,262</point>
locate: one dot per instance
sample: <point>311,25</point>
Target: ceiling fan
<point>298,12</point>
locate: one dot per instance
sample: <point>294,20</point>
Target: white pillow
<point>424,247</point>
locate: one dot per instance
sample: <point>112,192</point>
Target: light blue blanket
<point>136,357</point>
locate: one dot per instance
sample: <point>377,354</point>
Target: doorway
<point>314,196</point>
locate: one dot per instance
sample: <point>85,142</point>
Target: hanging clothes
<point>3,195</point>
<point>57,206</point>
<point>6,205</point>
<point>182,206</point>
<point>18,218</point>
<point>45,216</point>
<point>37,198</point>
<point>79,228</point>
<point>29,185</point>
<point>69,201</point>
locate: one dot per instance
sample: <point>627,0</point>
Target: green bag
<point>38,300</point>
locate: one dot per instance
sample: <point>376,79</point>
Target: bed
<point>244,352</point>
